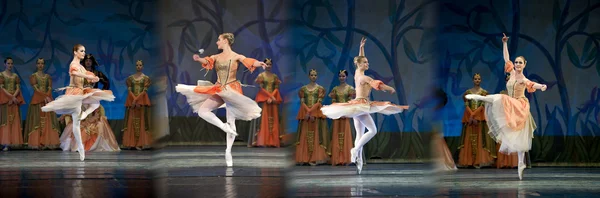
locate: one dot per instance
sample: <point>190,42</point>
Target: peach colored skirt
<point>360,106</point>
<point>510,123</point>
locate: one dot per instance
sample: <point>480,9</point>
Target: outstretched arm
<point>73,71</point>
<point>377,84</point>
<point>250,63</point>
<point>532,86</point>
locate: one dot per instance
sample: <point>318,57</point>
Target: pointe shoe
<point>81,154</point>
<point>229,129</point>
<point>83,115</point>
<point>359,165</point>
<point>521,168</point>
<point>228,159</point>
<point>472,96</point>
<point>353,155</point>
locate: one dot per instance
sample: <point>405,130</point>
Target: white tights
<point>360,123</point>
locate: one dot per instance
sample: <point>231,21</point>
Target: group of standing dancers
<point>508,115</point>
<point>80,104</point>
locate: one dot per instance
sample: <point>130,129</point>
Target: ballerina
<point>361,107</point>
<point>508,116</point>
<point>207,97</point>
<point>76,96</point>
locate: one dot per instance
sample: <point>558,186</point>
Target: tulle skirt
<point>242,107</point>
<point>361,106</point>
<point>67,104</point>
<point>508,124</point>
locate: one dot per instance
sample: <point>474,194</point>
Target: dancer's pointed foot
<point>228,158</point>
<point>83,115</point>
<point>473,97</point>
<point>81,154</point>
<point>521,168</point>
<point>228,129</point>
<point>359,164</point>
<point>353,155</point>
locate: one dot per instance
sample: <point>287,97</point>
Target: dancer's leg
<point>205,112</point>
<point>90,108</point>
<point>77,133</point>
<point>368,122</point>
<point>230,139</point>
<point>360,130</point>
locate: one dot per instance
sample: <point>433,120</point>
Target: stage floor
<point>26,173</point>
<point>418,180</point>
<point>199,171</point>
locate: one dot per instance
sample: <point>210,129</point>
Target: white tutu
<point>512,140</point>
<point>67,104</point>
<point>360,107</point>
<point>242,107</point>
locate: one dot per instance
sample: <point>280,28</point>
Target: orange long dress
<point>41,128</point>
<point>268,135</point>
<point>137,119</point>
<point>477,149</point>
<point>11,133</point>
<point>341,136</point>
<point>312,137</point>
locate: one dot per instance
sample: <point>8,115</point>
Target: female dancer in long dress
<point>341,133</point>
<point>11,133</point>
<point>361,107</point>
<point>509,118</point>
<point>269,95</point>
<point>477,148</point>
<point>312,136</point>
<point>137,114</point>
<point>41,128</point>
<point>76,96</point>
<point>228,90</point>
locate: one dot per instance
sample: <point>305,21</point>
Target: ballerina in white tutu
<point>508,116</point>
<point>76,96</point>
<point>361,107</point>
<point>228,90</point>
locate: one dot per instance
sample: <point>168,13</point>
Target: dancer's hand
<point>260,64</point>
<point>390,89</point>
<point>95,79</point>
<point>363,40</point>
<point>196,58</point>
<point>544,87</point>
<point>504,38</point>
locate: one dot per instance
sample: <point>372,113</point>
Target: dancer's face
<point>313,76</point>
<point>477,80</point>
<point>520,64</point>
<point>269,66</point>
<point>342,77</point>
<point>40,65</point>
<point>80,53</point>
<point>221,42</point>
<point>363,64</point>
<point>9,64</point>
<point>139,66</point>
<point>88,62</point>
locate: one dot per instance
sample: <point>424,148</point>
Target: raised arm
<point>505,48</point>
<point>361,51</point>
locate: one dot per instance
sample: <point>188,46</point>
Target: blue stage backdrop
<point>116,32</point>
<point>558,38</point>
<point>400,48</point>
